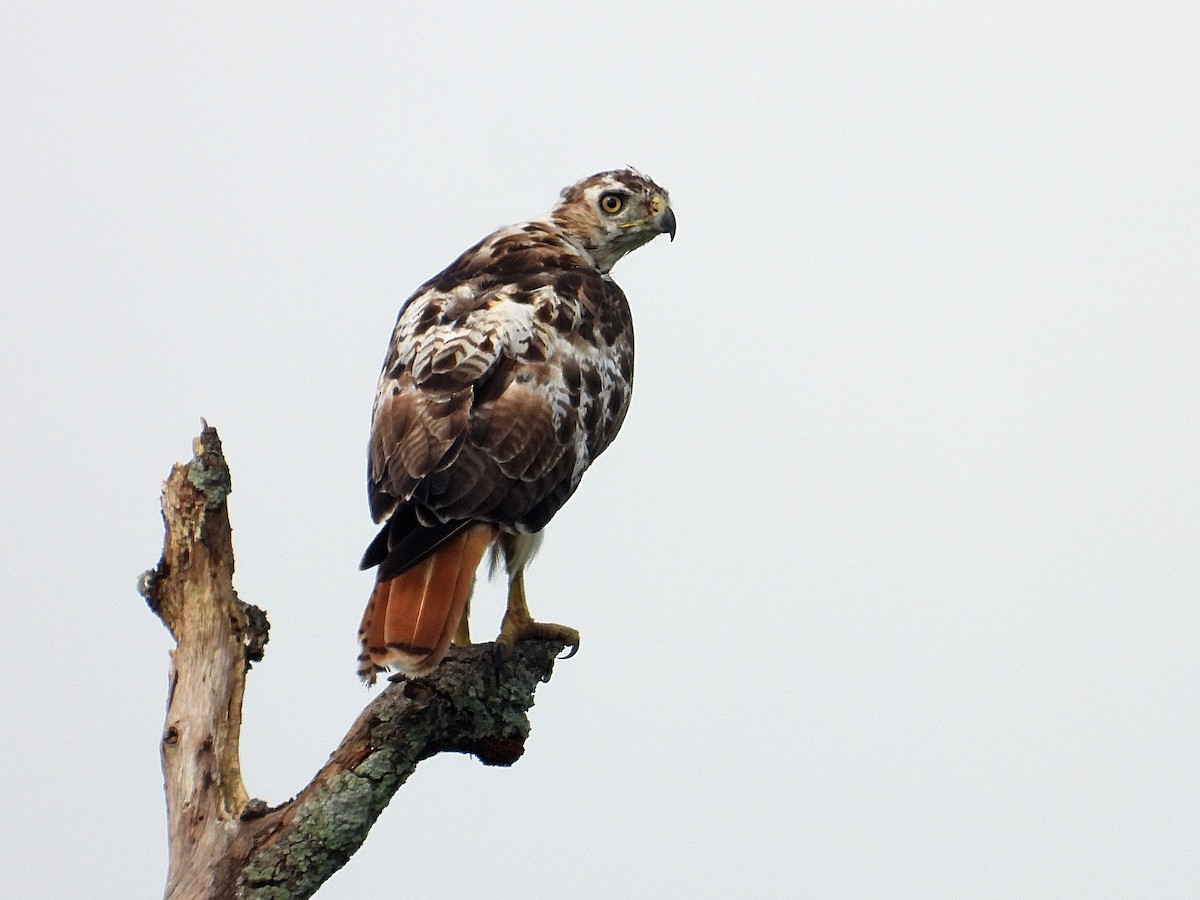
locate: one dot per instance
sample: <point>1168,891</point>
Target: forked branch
<point>222,843</point>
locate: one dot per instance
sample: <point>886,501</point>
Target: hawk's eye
<point>612,202</point>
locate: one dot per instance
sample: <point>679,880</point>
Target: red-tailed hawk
<point>507,374</point>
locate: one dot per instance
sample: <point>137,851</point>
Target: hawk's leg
<point>518,624</point>
<point>462,633</point>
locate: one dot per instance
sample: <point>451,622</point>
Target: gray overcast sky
<point>889,585</point>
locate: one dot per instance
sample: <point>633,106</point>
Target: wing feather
<point>496,394</point>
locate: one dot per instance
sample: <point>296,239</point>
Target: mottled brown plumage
<point>507,374</point>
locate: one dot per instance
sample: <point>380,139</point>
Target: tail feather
<point>370,633</point>
<point>433,625</point>
<point>407,595</point>
<point>411,618</point>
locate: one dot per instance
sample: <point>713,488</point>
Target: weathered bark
<point>222,843</point>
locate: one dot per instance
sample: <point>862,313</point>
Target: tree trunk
<point>222,843</point>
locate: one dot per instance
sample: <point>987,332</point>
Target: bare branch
<point>224,844</point>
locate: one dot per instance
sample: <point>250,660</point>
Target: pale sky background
<point>889,586</point>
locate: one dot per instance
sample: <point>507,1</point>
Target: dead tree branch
<point>222,843</point>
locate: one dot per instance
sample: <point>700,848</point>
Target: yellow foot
<point>517,628</point>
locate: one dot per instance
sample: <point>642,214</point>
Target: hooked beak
<point>665,222</point>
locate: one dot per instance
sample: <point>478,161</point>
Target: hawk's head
<point>611,213</point>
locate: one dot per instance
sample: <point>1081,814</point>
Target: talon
<point>525,630</point>
<point>501,651</point>
<point>518,624</point>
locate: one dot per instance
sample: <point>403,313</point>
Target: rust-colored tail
<point>410,619</point>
